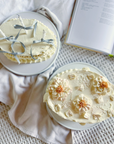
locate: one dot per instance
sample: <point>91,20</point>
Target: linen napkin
<point>24,95</point>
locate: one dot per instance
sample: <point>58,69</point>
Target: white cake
<point>81,96</point>
<point>40,51</point>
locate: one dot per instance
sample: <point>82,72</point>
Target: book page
<point>92,25</point>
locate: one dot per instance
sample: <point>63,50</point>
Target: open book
<point>92,26</point>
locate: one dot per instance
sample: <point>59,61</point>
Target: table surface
<point>100,134</point>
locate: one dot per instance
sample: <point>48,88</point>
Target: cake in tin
<point>27,40</point>
<point>80,95</point>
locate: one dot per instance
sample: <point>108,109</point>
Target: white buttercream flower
<point>81,103</point>
<point>100,85</point>
<point>59,89</point>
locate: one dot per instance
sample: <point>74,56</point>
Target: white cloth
<point>28,112</point>
<point>46,12</point>
<point>25,94</point>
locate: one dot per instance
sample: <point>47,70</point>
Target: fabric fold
<point>47,13</point>
<point>28,112</point>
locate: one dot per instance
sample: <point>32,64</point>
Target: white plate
<point>34,68</point>
<point>66,123</point>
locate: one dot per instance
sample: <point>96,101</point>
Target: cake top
<point>81,96</point>
<point>36,37</point>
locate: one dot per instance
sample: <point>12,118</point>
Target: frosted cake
<point>27,41</point>
<point>81,96</point>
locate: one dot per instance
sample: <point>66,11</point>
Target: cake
<point>27,40</point>
<point>80,95</point>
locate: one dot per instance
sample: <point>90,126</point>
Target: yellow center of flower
<point>104,84</point>
<point>59,89</point>
<point>82,104</point>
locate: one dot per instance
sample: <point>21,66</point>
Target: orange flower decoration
<point>103,84</point>
<point>82,104</point>
<point>59,89</point>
